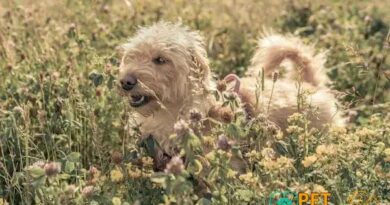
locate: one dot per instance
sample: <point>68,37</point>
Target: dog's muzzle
<point>128,82</point>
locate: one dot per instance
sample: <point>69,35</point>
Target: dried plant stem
<point>270,98</point>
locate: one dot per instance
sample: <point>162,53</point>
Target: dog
<point>164,73</point>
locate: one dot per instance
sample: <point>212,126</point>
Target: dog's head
<point>159,65</point>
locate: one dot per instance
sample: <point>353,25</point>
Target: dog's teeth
<point>140,100</point>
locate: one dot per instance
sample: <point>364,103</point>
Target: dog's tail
<point>274,49</point>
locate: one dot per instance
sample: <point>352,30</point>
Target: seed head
<point>223,143</point>
<point>93,171</point>
<point>18,109</point>
<point>87,191</point>
<point>367,19</point>
<point>195,115</point>
<point>117,157</point>
<point>221,85</point>
<point>275,76</point>
<point>227,116</point>
<point>106,9</point>
<point>9,67</point>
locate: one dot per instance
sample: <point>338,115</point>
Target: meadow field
<point>66,135</point>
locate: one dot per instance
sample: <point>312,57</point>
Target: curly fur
<point>185,81</point>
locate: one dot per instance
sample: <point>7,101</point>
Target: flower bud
<point>117,157</point>
<point>223,143</point>
<point>195,115</point>
<point>221,86</point>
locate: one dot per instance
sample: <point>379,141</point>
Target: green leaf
<point>195,166</point>
<point>64,176</point>
<point>194,141</point>
<point>16,178</point>
<point>234,130</point>
<point>36,172</point>
<point>69,166</point>
<point>39,181</point>
<point>245,195</point>
<point>73,157</point>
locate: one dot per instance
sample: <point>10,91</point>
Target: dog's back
<point>280,97</point>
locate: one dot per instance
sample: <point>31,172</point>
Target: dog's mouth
<point>139,100</point>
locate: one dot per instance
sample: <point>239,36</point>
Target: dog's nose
<point>128,82</point>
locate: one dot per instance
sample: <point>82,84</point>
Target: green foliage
<point>64,130</point>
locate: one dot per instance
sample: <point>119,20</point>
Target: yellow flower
<point>268,153</point>
<point>365,133</point>
<point>147,162</point>
<point>318,188</point>
<point>116,175</point>
<point>338,130</point>
<point>294,129</point>
<point>133,172</point>
<point>231,174</point>
<point>253,155</point>
<point>208,141</point>
<point>249,179</point>
<point>284,163</point>
<point>308,161</point>
<point>330,149</point>
<point>116,201</point>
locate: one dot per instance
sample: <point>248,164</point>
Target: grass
<point>65,134</point>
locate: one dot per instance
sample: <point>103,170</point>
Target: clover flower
<point>221,86</point>
<point>52,169</point>
<point>116,201</point>
<point>181,128</point>
<point>87,191</point>
<point>223,143</point>
<point>249,179</point>
<point>116,175</point>
<point>175,166</point>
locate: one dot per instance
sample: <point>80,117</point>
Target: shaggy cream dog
<point>165,73</point>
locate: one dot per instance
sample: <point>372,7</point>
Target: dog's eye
<point>159,60</point>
